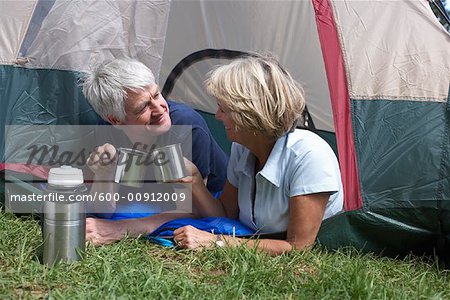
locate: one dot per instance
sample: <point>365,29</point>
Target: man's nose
<point>157,109</point>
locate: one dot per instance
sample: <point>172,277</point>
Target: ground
<point>135,268</point>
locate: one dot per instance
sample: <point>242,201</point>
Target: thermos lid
<point>65,176</point>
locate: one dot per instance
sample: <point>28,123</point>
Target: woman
<point>278,178</point>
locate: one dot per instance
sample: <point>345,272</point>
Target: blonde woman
<point>278,178</point>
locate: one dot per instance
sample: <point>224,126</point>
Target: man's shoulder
<point>182,114</point>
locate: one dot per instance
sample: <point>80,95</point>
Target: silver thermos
<point>64,216</point>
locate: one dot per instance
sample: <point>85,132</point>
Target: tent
<point>376,76</point>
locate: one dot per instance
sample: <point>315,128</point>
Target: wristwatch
<point>219,242</point>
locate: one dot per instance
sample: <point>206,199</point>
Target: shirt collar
<point>246,163</point>
<point>272,168</point>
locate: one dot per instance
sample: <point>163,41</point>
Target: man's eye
<point>140,112</point>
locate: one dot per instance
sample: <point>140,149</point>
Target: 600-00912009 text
<point>141,197</point>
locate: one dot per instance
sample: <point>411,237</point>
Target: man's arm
<point>101,231</point>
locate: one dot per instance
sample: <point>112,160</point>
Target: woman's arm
<point>305,217</point>
<point>205,204</point>
<point>103,231</point>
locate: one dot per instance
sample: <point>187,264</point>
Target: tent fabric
<point>401,135</point>
<point>77,35</point>
<point>381,86</point>
<point>390,232</point>
<point>14,20</point>
<point>246,26</point>
<point>337,82</point>
<point>35,170</point>
<point>409,64</point>
<point>403,150</point>
<point>42,8</point>
<point>33,96</point>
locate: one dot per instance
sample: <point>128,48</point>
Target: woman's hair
<point>106,87</point>
<point>260,95</point>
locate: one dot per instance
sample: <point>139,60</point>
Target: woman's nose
<point>218,114</point>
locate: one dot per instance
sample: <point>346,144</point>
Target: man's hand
<point>102,161</point>
<point>101,231</point>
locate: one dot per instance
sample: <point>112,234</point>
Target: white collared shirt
<point>300,163</point>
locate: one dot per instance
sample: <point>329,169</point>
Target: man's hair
<point>260,95</point>
<point>106,87</point>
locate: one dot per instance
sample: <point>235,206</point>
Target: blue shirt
<point>204,151</point>
<point>300,163</point>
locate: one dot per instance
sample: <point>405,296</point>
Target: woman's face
<point>224,116</point>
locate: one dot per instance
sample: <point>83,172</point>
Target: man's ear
<point>114,120</point>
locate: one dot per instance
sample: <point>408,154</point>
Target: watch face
<point>220,243</point>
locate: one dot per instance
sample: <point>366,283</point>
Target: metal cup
<point>168,163</point>
<point>131,167</point>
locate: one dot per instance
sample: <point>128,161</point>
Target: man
<point>124,92</point>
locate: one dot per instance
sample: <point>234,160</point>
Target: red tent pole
<point>340,102</point>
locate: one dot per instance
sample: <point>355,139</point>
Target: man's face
<point>148,107</point>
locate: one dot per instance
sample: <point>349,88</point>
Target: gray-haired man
<point>124,92</point>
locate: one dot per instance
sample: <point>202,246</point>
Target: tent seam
<point>444,157</point>
<point>358,151</point>
<point>27,26</point>
<point>442,173</point>
<point>409,98</point>
<point>343,49</point>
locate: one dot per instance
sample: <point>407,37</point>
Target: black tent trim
<point>306,121</point>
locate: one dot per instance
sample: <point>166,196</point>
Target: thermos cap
<point>65,176</point>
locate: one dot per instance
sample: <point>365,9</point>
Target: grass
<point>138,269</point>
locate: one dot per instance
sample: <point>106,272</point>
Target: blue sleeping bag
<point>164,233</point>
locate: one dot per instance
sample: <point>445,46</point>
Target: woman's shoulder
<point>303,145</point>
<point>237,149</point>
<point>301,139</point>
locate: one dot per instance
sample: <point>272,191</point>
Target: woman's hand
<point>102,161</point>
<point>194,175</point>
<point>189,237</point>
